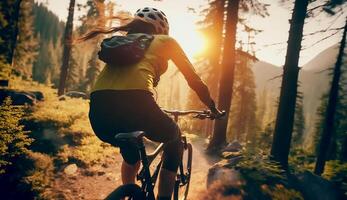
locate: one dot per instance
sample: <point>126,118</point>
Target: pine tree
<point>226,81</point>
<point>73,78</point>
<point>9,14</point>
<point>67,49</point>
<point>286,109</point>
<point>261,108</point>
<point>95,17</point>
<point>26,48</point>
<point>329,118</point>
<point>94,68</point>
<point>48,30</point>
<point>243,120</point>
<point>299,121</point>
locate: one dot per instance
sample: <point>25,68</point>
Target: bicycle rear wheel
<point>126,192</point>
<point>183,177</point>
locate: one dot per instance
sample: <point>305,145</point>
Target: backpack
<point>124,50</point>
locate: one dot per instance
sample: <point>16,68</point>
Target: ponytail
<point>99,31</point>
<point>135,26</point>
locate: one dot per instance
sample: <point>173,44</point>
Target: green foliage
<point>336,171</point>
<point>48,30</point>
<point>243,123</point>
<point>74,71</point>
<point>337,147</point>
<point>55,125</point>
<point>5,69</point>
<point>14,141</point>
<point>47,25</point>
<point>93,70</point>
<point>26,47</point>
<point>263,178</point>
<point>8,25</point>
<point>258,169</point>
<point>39,177</point>
<point>299,122</point>
<point>264,138</point>
<point>65,130</point>
<point>300,159</point>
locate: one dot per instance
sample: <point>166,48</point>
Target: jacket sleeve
<point>177,55</point>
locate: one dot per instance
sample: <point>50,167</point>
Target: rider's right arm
<point>172,50</point>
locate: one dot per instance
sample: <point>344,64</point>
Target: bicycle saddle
<point>132,137</point>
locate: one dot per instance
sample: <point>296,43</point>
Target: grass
<point>62,135</point>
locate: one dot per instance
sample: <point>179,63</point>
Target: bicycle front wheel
<point>127,192</point>
<point>184,174</point>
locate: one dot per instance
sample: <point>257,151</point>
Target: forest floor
<point>98,182</point>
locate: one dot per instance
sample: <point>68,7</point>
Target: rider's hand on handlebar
<point>217,114</point>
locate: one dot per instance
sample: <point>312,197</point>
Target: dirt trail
<point>98,182</point>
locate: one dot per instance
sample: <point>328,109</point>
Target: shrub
<point>336,171</point>
<point>261,178</point>
<point>13,139</point>
<point>39,177</point>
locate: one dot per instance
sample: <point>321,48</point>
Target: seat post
<point>147,174</point>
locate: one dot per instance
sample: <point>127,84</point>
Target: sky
<point>270,43</point>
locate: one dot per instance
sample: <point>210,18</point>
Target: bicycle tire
<point>181,189</point>
<point>132,191</point>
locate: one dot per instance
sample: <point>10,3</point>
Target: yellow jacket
<point>140,76</point>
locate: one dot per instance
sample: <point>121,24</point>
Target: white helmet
<point>156,17</point>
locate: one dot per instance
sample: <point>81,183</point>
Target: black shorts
<point>119,111</point>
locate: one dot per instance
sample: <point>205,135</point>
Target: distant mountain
<point>265,76</point>
<point>314,81</point>
<point>323,60</point>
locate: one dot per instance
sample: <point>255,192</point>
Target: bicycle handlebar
<point>200,114</point>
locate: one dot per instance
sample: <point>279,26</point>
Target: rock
<point>100,173</point>
<point>232,154</point>
<point>73,94</point>
<point>111,177</point>
<point>314,187</point>
<point>71,169</point>
<point>220,173</point>
<point>17,97</point>
<point>234,146</point>
<point>35,94</point>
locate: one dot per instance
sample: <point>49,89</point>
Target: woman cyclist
<point>122,98</point>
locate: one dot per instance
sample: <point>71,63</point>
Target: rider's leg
<point>129,172</point>
<point>166,183</point>
<point>172,156</point>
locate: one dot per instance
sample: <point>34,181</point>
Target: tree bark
<point>67,48</point>
<point>227,75</point>
<point>328,126</point>
<point>286,109</point>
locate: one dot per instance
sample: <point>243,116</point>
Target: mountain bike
<point>148,180</point>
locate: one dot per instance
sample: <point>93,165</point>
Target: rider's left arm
<point>177,55</point>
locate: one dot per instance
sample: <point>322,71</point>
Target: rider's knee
<point>172,134</point>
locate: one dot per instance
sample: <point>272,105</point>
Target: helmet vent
<point>152,16</point>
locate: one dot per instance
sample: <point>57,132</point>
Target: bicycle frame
<point>148,181</point>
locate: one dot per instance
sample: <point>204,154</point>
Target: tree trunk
<point>286,109</point>
<point>328,126</point>
<point>8,36</point>
<point>227,75</point>
<point>67,48</point>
